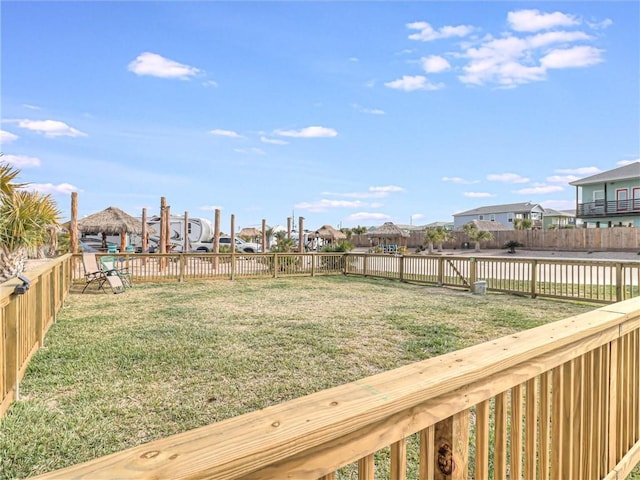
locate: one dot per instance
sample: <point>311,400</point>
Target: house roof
<point>631,170</point>
<point>506,208</point>
<point>550,212</point>
<point>387,229</point>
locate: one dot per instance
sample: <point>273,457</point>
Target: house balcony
<point>606,209</point>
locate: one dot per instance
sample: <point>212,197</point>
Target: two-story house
<point>505,214</point>
<point>611,198</point>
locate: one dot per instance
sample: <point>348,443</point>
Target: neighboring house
<point>504,214</point>
<point>611,198</point>
<point>446,225</point>
<point>558,218</point>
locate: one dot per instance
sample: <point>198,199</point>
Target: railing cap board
<point>7,288</point>
<point>255,440</point>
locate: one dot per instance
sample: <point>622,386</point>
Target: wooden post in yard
<point>301,234</point>
<point>216,239</point>
<point>144,243</point>
<point>167,230</point>
<point>73,223</point>
<point>264,235</point>
<point>163,232</point>
<point>185,245</point>
<point>233,250</point>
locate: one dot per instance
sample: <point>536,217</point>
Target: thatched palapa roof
<point>110,221</point>
<point>250,232</point>
<point>388,230</point>
<point>327,232</point>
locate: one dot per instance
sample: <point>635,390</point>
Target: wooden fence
<point>596,281</point>
<point>560,401</point>
<point>608,239</point>
<point>25,319</point>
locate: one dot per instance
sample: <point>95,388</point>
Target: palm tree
<point>27,221</point>
<point>522,224</point>
<point>477,236</point>
<point>435,235</point>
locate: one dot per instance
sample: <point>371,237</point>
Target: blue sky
<point>345,113</point>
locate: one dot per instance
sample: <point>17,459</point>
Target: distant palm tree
<point>435,235</point>
<point>522,224</point>
<point>477,236</point>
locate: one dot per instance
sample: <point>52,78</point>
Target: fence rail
<point>25,319</point>
<point>558,401</point>
<point>595,281</point>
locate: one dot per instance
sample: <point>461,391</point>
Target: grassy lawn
<point>120,370</point>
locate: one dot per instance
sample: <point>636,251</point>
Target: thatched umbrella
<point>250,233</point>
<point>387,233</point>
<point>112,221</point>
<point>329,234</point>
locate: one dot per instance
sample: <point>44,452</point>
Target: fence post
<point>452,447</point>
<point>401,267</point>
<point>181,275</point>
<point>618,282</point>
<point>11,348</point>
<point>313,264</point>
<point>612,415</point>
<point>39,312</point>
<point>275,265</point>
<point>534,277</point>
<point>365,264</point>
<point>473,272</point>
<point>440,271</point>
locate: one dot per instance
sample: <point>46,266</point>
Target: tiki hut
<point>329,235</point>
<point>388,234</point>
<point>250,234</point>
<point>112,221</point>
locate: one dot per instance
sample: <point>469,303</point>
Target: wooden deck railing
<point>595,281</point>
<point>25,319</point>
<point>560,401</point>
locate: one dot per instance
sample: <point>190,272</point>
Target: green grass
<point>121,370</point>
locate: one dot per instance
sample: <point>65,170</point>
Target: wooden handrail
<point>312,436</point>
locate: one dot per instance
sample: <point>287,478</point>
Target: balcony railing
<point>602,208</point>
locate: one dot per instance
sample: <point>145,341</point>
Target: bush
<point>511,245</point>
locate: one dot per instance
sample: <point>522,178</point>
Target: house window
<point>510,218</point>
<point>480,217</point>
<point>598,202</point>
<point>622,199</point>
<point>636,198</point>
<point>493,218</point>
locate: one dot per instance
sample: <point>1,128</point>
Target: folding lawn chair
<point>109,267</point>
<point>115,282</point>
<point>92,272</point>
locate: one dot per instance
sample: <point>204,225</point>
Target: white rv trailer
<point>199,230</point>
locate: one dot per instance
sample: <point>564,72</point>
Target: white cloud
<point>155,65</point>
<point>562,178</point>
<point>507,178</point>
<point>51,128</point>
<point>211,208</point>
<point>627,162</point>
<point>31,107</point>
<point>373,192</point>
<point>210,83</point>
<point>273,141</point>
<point>366,216</point>
<point>7,137</point>
<point>308,132</point>
<point>21,161</point>
<point>225,133</point>
<point>606,23</point>
<point>409,83</point>
<point>324,205</point>
<point>540,189</point>
<point>435,64</point>
<point>370,111</point>
<point>534,20</point>
<point>417,216</point>
<point>478,194</point>
<point>579,56</point>
<point>579,171</point>
<point>428,33</point>
<point>459,180</point>
<point>250,151</point>
<point>559,204</point>
<point>50,188</point>
<point>354,59</point>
